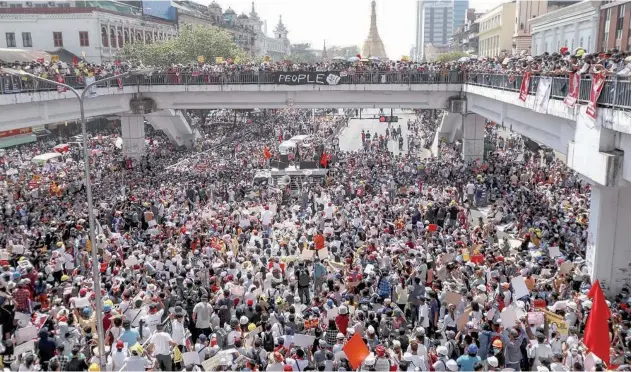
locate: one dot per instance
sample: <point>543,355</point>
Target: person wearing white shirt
<point>424,313</point>
<point>178,331</point>
<point>118,356</point>
<point>160,343</point>
<point>540,351</point>
<point>135,363</point>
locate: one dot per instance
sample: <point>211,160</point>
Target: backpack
<point>453,350</point>
<point>303,278</point>
<point>268,342</point>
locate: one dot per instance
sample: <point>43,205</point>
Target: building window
<point>126,34</point>
<point>27,42</point>
<point>84,41</point>
<point>139,36</point>
<point>619,33</point>
<point>112,38</point>
<point>11,40</point>
<point>58,41</point>
<point>120,37</point>
<point>104,36</point>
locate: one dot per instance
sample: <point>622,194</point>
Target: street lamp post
<point>86,159</point>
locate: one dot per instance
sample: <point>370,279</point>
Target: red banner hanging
<point>60,79</point>
<point>574,79</point>
<point>595,92</point>
<point>524,88</point>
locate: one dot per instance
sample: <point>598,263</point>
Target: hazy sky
<point>343,22</point>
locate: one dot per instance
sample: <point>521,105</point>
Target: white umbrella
<point>353,59</point>
<point>374,58</point>
<point>339,58</point>
<point>463,59</point>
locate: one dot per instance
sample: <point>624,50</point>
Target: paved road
<point>351,137</point>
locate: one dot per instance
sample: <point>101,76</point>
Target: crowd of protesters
<point>390,262</point>
<point>610,63</point>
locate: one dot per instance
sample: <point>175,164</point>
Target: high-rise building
<point>435,21</point>
<point>460,11</point>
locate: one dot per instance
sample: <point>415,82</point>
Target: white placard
<point>332,313</point>
<point>303,340</point>
<point>21,316</point>
<point>25,334</point>
<point>323,253</point>
<point>81,302</point>
<point>508,317</point>
<point>159,266</point>
<point>307,254</point>
<point>17,249</point>
<point>368,269</point>
<point>519,287</point>
<point>25,347</point>
<point>554,252</point>
<point>191,357</point>
<point>131,261</point>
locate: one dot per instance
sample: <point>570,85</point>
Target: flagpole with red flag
<point>596,334</point>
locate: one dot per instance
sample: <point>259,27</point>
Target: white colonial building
<point>572,26</point>
<point>96,29</point>
<point>248,31</point>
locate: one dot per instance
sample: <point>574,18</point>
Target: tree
<point>450,56</point>
<point>301,53</point>
<point>346,52</point>
<point>192,41</point>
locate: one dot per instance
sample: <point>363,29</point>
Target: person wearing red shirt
<point>21,297</point>
<point>342,320</point>
<point>319,241</point>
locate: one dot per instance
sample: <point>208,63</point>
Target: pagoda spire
<point>373,45</point>
<point>324,51</point>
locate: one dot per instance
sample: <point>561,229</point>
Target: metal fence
<point>615,94</point>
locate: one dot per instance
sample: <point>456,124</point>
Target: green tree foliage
<point>192,41</point>
<point>450,56</point>
<point>301,53</point>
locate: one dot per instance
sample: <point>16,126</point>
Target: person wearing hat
<point>442,359</point>
<point>129,336</point>
<point>118,356</point>
<point>467,362</point>
<point>160,344</point>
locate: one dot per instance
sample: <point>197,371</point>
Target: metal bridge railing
<point>615,94</point>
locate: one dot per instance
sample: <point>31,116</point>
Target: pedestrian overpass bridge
<point>598,149</point>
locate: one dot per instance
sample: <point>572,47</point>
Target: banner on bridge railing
<point>571,98</point>
<point>595,91</point>
<point>542,95</point>
<point>524,88</point>
<point>307,77</point>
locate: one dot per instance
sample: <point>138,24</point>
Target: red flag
<point>117,63</point>
<point>323,160</point>
<point>266,152</point>
<point>74,60</point>
<point>595,92</point>
<point>596,335</point>
<point>60,79</point>
<point>524,88</point>
<point>574,79</point>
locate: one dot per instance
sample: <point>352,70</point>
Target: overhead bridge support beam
<point>133,135</point>
<point>174,125</point>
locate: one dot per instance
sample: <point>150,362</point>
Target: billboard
<point>159,9</point>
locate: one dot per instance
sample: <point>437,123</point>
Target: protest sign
<point>303,340</point>
<point>519,287</point>
<point>453,298</point>
<point>556,322</point>
<point>191,358</point>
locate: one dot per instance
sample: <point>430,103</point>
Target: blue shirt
<point>384,288</point>
<point>130,337</point>
<point>466,362</point>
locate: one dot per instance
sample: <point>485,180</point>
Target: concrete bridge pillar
<point>608,240</point>
<point>133,134</point>
<point>473,137</point>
